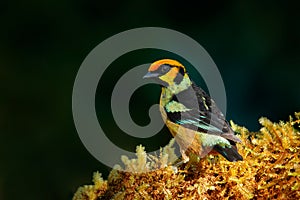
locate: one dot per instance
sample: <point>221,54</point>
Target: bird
<point>191,115</point>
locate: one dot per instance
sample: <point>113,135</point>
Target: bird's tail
<point>230,153</point>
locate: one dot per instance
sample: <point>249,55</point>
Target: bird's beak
<point>151,75</point>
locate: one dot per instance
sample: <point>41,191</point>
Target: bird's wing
<point>200,114</point>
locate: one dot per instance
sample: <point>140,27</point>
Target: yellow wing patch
<point>175,106</point>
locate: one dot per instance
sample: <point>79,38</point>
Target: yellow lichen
<point>92,192</point>
<point>270,170</point>
<point>144,163</point>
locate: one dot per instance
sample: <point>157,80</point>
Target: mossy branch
<point>270,170</point>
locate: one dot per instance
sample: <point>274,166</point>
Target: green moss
<point>270,169</point>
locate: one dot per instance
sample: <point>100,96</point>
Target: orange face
<point>166,70</point>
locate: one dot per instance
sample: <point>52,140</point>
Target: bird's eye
<point>165,68</point>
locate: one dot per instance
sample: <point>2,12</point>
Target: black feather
<point>198,110</point>
<point>179,76</point>
<point>231,154</point>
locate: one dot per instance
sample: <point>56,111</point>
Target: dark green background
<point>43,43</point>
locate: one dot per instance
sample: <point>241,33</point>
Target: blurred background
<point>256,46</point>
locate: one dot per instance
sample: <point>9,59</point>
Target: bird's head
<point>167,72</point>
